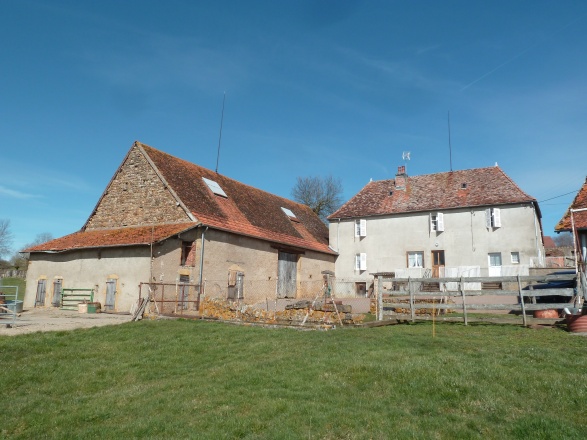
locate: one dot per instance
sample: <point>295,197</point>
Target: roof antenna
<point>220,135</point>
<point>449,145</point>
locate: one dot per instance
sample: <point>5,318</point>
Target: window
<point>515,257</point>
<point>186,250</point>
<point>415,259</point>
<point>214,187</point>
<point>493,218</point>
<point>437,222</point>
<point>495,259</point>
<point>361,261</point>
<point>288,212</point>
<point>361,228</point>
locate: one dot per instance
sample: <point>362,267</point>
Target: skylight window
<point>215,188</point>
<point>288,213</point>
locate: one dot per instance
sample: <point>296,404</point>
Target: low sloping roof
<point>246,210</point>
<point>484,187</point>
<point>99,238</point>
<point>580,218</point>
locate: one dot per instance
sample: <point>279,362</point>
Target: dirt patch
<point>51,319</point>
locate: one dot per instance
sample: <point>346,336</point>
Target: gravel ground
<point>52,319</point>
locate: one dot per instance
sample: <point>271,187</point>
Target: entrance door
<point>437,264</point>
<point>57,284</point>
<point>495,264</point>
<point>40,298</point>
<point>184,292</point>
<point>110,294</point>
<point>286,273</point>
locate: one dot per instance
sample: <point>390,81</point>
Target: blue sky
<point>312,88</point>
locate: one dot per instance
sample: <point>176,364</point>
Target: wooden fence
<point>414,292</point>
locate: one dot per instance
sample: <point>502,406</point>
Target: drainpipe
<point>201,264</point>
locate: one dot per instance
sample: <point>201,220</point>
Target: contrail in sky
<point>519,54</point>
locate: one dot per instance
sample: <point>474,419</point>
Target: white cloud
<point>15,194</point>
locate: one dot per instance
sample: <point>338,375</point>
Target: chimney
<point>401,178</point>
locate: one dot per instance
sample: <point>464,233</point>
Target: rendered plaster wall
<point>223,251</point>
<point>89,269</point>
<point>466,240</point>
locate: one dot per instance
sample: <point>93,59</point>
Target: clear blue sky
<point>312,88</point>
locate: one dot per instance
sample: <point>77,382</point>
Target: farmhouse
<point>575,221</point>
<point>176,226</point>
<point>475,222</point>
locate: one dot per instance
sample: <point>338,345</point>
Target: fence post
<point>379,298</point>
<point>522,301</point>
<point>411,289</point>
<point>461,285</point>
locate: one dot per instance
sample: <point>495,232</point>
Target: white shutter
<point>363,261</point>
<point>496,218</point>
<point>488,218</point>
<point>363,228</point>
<point>440,221</point>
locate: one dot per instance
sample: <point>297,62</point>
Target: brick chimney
<point>401,178</point>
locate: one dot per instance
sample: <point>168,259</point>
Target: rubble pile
<point>296,313</point>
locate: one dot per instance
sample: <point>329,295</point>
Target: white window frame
<point>495,255</point>
<point>515,257</point>
<point>361,261</point>
<point>493,218</point>
<point>437,222</point>
<point>415,257</point>
<point>361,228</point>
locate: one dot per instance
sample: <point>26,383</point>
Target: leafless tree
<point>563,239</point>
<point>5,237</point>
<point>20,259</point>
<point>322,194</point>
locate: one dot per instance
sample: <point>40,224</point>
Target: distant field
<point>189,379</point>
<point>20,282</point>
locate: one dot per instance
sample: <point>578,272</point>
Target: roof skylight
<point>288,212</point>
<point>214,187</point>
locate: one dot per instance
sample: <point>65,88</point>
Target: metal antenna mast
<point>220,135</point>
<point>449,145</point>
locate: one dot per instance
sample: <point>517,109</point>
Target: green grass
<point>188,379</point>
<point>20,282</point>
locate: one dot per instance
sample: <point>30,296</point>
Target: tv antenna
<point>449,145</point>
<point>220,135</point>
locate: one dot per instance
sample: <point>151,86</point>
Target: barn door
<point>110,294</point>
<point>40,298</point>
<point>286,273</point>
<point>57,285</point>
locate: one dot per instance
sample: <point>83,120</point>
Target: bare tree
<point>5,237</point>
<point>563,239</point>
<point>322,194</point>
<point>20,259</point>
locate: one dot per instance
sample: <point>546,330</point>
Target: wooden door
<point>110,294</point>
<point>495,264</point>
<point>437,264</point>
<point>286,273</point>
<point>57,284</point>
<point>40,298</point>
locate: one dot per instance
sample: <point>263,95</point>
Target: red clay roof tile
<point>579,218</point>
<point>484,186</point>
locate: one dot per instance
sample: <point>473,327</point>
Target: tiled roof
<point>549,242</point>
<point>246,210</point>
<point>98,238</point>
<point>484,187</point>
<point>580,218</point>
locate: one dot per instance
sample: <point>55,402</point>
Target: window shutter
<point>363,261</point>
<point>440,221</point>
<point>488,218</point>
<point>496,218</point>
<point>357,262</point>
<point>357,228</point>
<point>431,222</point>
<point>363,228</point>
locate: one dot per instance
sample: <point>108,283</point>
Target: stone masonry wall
<point>136,197</point>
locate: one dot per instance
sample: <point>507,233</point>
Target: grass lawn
<point>20,282</point>
<point>189,379</point>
